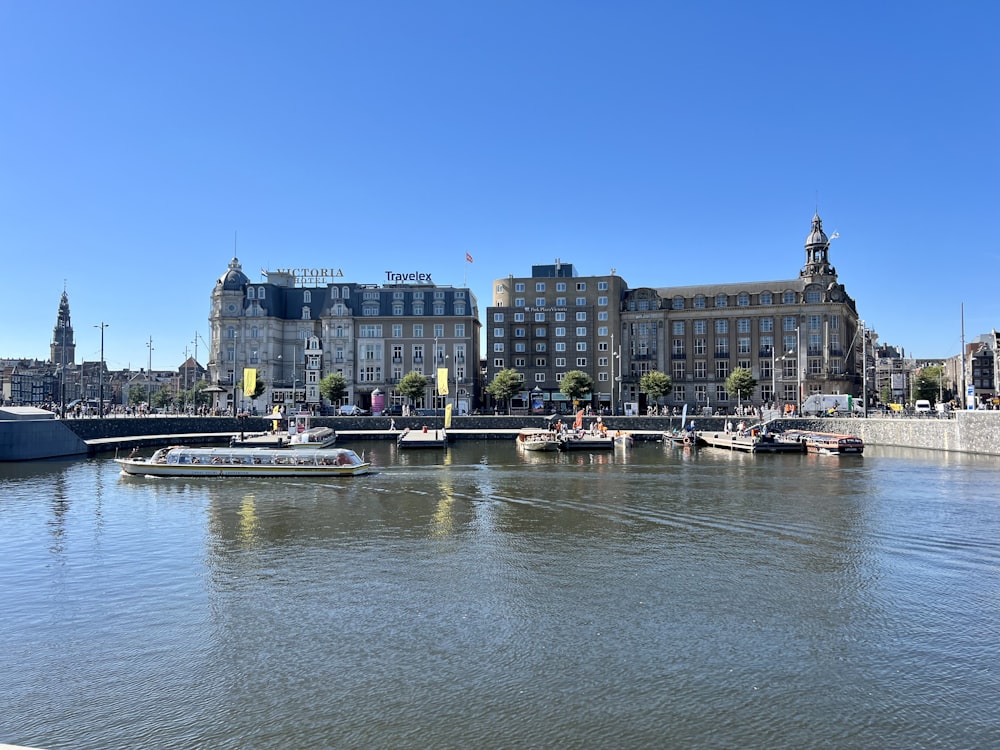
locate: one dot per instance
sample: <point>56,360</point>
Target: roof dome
<point>233,279</point>
<point>817,236</point>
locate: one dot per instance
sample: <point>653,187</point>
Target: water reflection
<point>478,597</point>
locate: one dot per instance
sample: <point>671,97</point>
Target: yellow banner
<point>447,416</point>
<point>442,381</point>
<point>249,381</point>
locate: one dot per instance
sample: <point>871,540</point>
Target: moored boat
<point>575,441</point>
<point>829,443</point>
<point>182,461</point>
<point>532,439</point>
<point>623,439</point>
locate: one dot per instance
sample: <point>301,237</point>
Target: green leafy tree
<point>413,386</point>
<point>886,394</point>
<point>576,385</point>
<point>655,385</point>
<point>258,390</point>
<point>928,383</point>
<point>333,387</point>
<point>741,383</point>
<point>505,384</point>
<point>162,398</point>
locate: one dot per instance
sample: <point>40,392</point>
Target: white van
<point>921,406</point>
<point>834,404</point>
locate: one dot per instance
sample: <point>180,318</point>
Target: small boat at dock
<point>827,443</point>
<point>182,461</point>
<point>537,439</point>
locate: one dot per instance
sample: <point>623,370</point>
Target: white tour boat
<point>181,461</point>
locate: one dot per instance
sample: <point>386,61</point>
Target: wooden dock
<point>423,438</point>
<point>749,443</point>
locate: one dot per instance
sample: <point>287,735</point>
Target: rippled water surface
<point>477,598</point>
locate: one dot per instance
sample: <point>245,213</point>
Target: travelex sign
<point>392,277</point>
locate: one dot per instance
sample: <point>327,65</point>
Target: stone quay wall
<point>976,432</point>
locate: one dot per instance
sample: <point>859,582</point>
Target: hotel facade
<point>300,325</point>
<point>797,336</point>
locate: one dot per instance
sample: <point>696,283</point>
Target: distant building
<point>797,336</point>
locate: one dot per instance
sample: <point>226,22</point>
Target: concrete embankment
<point>22,440</point>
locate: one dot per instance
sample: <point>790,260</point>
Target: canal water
<point>479,598</point>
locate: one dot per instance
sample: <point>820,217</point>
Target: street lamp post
<point>149,377</point>
<point>100,387</point>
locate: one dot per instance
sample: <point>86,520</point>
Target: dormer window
<point>260,292</point>
<point>251,292</point>
<point>307,296</point>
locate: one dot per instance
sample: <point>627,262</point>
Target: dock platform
<point>749,443</point>
<point>424,438</point>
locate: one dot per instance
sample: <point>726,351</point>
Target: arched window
<point>260,292</point>
<point>251,292</point>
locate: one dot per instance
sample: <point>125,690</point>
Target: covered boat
<point>181,461</point>
<point>537,439</point>
<point>829,443</point>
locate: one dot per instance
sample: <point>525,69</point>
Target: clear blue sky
<point>680,143</point>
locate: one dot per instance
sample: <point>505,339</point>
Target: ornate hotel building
<point>797,336</point>
<point>298,326</point>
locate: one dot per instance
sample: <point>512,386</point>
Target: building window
<point>722,347</point>
<point>743,325</point>
<point>418,308</point>
<point>498,346</point>
<point>721,369</point>
<point>602,286</point>
<point>581,346</point>
<point>540,287</point>
<point>678,328</point>
<point>722,326</point>
<point>766,298</point>
<point>459,330</point>
<point>519,317</point>
<point>581,361</point>
<point>789,323</point>
<point>260,292</point>
<point>251,292</point>
<point>581,331</point>
<point>602,376</point>
<point>498,364</point>
<point>498,317</point>
<point>560,316</point>
<point>700,327</point>
<point>560,286</point>
<point>680,370</point>
<point>539,301</point>
<point>397,308</point>
<point>581,286</point>
<point>700,346</point>
<point>540,332</point>
<point>519,302</point>
<point>788,298</point>
<point>743,345</point>
<point>721,300</point>
<point>814,295</point>
<point>581,301</point>
<point>603,301</point>
<point>602,315</point>
<point>815,322</point>
<point>519,286</point>
<point>418,330</point>
<point>678,303</point>
<point>700,369</point>
<point>766,325</point>
<point>678,347</point>
<point>560,346</point>
<point>743,300</point>
<point>539,317</point>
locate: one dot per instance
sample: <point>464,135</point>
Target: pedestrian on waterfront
<point>392,424</point>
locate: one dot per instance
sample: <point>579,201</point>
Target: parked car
<point>922,406</point>
<point>350,410</point>
<point>393,410</point>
